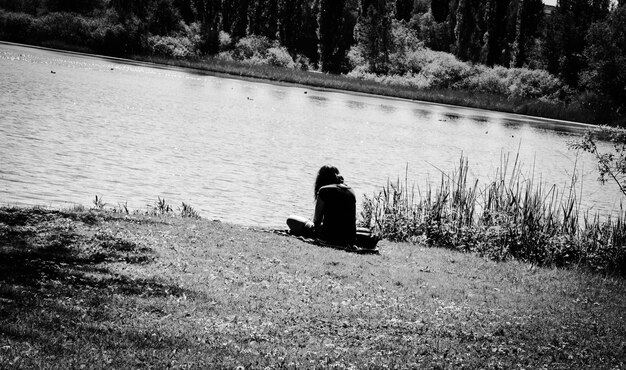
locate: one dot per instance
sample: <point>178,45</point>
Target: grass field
<point>97,289</point>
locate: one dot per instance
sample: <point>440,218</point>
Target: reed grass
<point>510,217</point>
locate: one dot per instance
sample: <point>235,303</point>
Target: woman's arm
<point>319,212</point>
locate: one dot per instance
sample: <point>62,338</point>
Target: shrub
<point>491,80</point>
<point>302,62</point>
<point>259,50</point>
<point>445,70</point>
<point>355,58</point>
<point>422,68</point>
<point>66,27</point>
<point>528,83</point>
<point>225,40</point>
<point>13,26</point>
<point>171,46</point>
<point>278,56</point>
<point>250,47</point>
<point>108,38</point>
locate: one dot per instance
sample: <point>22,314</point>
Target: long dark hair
<point>327,175</point>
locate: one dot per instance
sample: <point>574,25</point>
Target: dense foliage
<point>423,43</point>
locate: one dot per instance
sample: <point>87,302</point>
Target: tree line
<point>580,41</point>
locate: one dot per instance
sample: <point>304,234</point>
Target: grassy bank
<point>96,289</point>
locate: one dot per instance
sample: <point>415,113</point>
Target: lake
<point>74,126</point>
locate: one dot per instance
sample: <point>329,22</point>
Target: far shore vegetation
<point>531,61</point>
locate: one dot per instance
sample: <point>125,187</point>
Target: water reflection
<point>451,117</point>
<point>387,108</point>
<point>355,104</point>
<point>422,113</point>
<point>317,100</point>
<point>279,94</point>
<point>479,119</point>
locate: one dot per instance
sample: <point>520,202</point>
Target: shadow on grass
<point>55,282</point>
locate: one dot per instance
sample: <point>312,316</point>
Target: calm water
<point>239,151</point>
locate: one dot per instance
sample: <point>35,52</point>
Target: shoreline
<point>178,65</point>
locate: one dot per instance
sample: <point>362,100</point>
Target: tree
<point>605,55</point>
<point>494,45</point>
<point>373,33</point>
<point>440,10</point>
<point>611,165</point>
<point>263,18</point>
<point>528,16</point>
<point>76,6</point>
<point>467,33</point>
<point>165,18</point>
<point>209,14</point>
<point>127,9</point>
<point>565,37</point>
<point>336,20</point>
<point>186,10</point>
<point>404,10</point>
<point>298,27</point>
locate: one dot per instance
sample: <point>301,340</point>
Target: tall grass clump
<point>509,217</point>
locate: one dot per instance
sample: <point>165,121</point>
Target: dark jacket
<point>335,214</point>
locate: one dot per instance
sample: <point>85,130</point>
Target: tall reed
<point>509,217</point>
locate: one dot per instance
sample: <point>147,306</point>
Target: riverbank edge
<point>255,74</point>
<point>154,291</point>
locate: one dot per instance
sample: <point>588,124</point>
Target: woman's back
<point>339,214</point>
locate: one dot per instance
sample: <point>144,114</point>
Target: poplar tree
<point>404,10</point>
<point>440,10</point>
<point>297,27</point>
<point>209,14</point>
<point>373,33</point>
<point>467,33</point>
<point>330,20</point>
<point>262,18</point>
<point>528,15</point>
<point>238,17</point>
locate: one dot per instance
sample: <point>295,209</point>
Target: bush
<point>107,37</point>
<point>260,50</point>
<point>250,47</point>
<point>422,68</point>
<point>66,27</point>
<point>225,41</point>
<point>528,83</point>
<point>171,46</point>
<point>13,26</point>
<point>491,80</point>
<point>278,56</point>
<point>355,58</point>
<point>302,62</point>
<point>445,70</point>
<point>515,82</point>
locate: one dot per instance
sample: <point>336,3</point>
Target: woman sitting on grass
<point>334,221</point>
